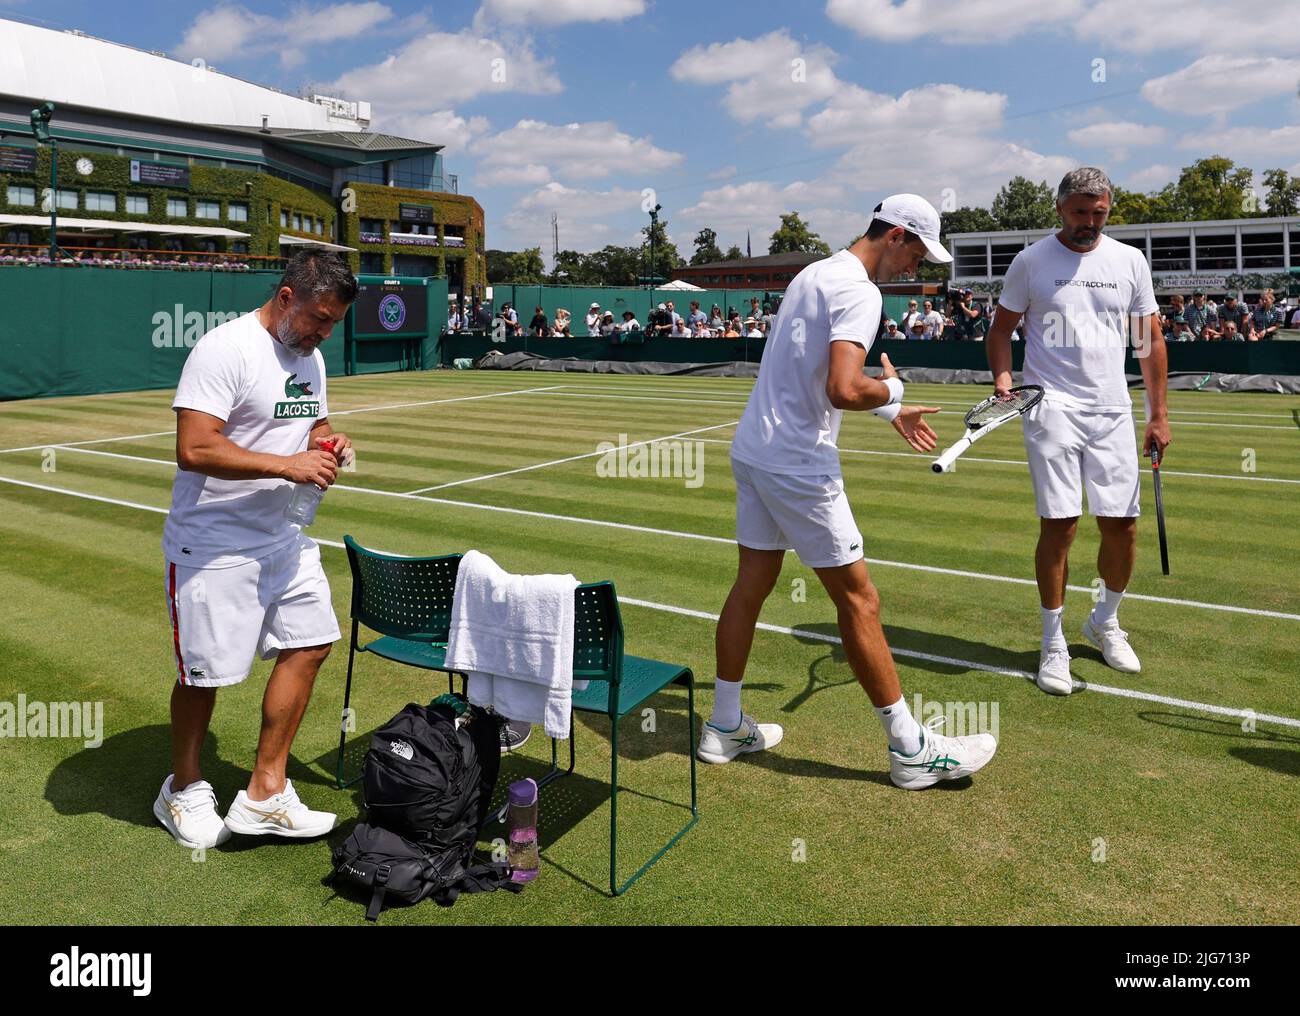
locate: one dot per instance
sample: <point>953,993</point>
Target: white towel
<point>513,636</point>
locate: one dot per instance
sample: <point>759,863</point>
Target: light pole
<point>41,132</point>
<point>654,223</point>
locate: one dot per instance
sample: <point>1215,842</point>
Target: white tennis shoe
<point>281,814</point>
<point>720,746</point>
<point>1054,672</point>
<point>940,758</point>
<point>1113,643</point>
<point>191,815</point>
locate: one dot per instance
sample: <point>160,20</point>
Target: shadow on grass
<point>832,670</point>
<point>1281,760</point>
<point>121,778</point>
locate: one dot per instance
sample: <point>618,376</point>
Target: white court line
<point>967,405</point>
<point>344,412</point>
<point>1285,721</point>
<point>571,458</point>
<point>678,534</point>
<point>1022,462</point>
<point>798,632</point>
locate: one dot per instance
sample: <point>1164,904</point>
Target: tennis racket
<point>1160,508</point>
<point>988,416</point>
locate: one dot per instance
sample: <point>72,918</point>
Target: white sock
<point>1107,610</point>
<point>726,704</point>
<point>901,729</point>
<point>1052,635</point>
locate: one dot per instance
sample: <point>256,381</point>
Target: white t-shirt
<point>270,399</point>
<point>789,425</point>
<point>1076,309</point>
<point>933,325</point>
<point>593,324</point>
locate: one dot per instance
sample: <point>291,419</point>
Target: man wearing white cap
<point>790,491</point>
<point>1081,293</point>
<point>593,321</point>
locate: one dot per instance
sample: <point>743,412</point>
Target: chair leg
<point>343,719</point>
<point>614,887</point>
<point>554,773</point>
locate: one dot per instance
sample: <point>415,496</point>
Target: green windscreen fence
<point>77,331</point>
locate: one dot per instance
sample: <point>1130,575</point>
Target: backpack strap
<point>381,890</point>
<point>479,877</point>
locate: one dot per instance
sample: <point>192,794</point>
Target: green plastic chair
<point>408,601</point>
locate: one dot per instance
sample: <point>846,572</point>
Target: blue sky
<point>733,112</point>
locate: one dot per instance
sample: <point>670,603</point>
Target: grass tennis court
<point>1195,803</point>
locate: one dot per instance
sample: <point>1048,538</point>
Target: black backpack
<point>429,777</point>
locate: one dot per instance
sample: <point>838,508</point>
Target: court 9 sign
<point>391,309</point>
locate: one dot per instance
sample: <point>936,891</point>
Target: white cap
<point>913,212</point>
<point>663,306</point>
<point>594,306</point>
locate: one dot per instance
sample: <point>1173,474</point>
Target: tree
<point>525,267</point>
<point>1213,188</point>
<point>966,220</point>
<point>573,269</point>
<point>706,247</point>
<point>1023,204</point>
<point>1283,192</point>
<point>734,253</point>
<point>614,266</point>
<point>497,265</point>
<point>666,257</point>
<point>794,237</point>
<point>1131,206</point>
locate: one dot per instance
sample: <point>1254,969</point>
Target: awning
<point>291,241</point>
<point>119,226</point>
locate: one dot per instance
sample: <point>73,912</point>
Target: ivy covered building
<point>160,156</point>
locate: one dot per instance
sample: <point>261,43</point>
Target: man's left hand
<point>910,422</point>
<point>342,447</point>
<point>1157,433</point>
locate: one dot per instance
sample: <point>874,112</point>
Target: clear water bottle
<point>522,851</point>
<point>301,509</point>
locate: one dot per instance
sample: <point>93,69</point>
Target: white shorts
<point>809,514</point>
<point>1069,449</point>
<point>221,617</point>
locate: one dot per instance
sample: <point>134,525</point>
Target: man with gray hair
<point>1079,292</point>
<point>241,579</point>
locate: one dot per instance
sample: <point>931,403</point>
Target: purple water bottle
<point>522,851</point>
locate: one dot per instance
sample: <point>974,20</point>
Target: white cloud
<point>928,114</point>
<point>1198,26</point>
<point>529,175</point>
<point>557,12</point>
<point>443,127</point>
<point>574,150</point>
<point>450,67</point>
<point>585,218</point>
<point>230,31</point>
<point>772,77</point>
<point>1117,137</point>
<point>757,206</point>
<point>1152,178</point>
<point>1219,84</point>
<point>1240,143</point>
<point>993,20</point>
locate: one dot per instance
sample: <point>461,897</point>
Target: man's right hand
<point>315,466</point>
<point>1002,385</point>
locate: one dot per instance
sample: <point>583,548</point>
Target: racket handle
<point>950,456</point>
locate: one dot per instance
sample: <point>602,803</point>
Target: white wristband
<point>888,412</point>
<point>895,387</point>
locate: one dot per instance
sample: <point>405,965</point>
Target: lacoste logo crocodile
<point>296,391</point>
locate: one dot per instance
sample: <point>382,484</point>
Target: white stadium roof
<point>70,68</point>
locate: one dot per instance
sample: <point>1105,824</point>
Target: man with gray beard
<point>240,578</point>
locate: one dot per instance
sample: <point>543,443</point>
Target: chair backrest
<point>597,633</point>
<point>408,597</point>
